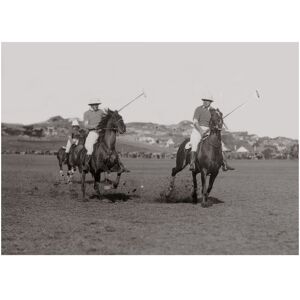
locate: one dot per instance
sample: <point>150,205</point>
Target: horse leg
<point>61,174</point>
<point>97,177</point>
<point>117,181</point>
<point>204,188</point>
<point>83,174</point>
<point>195,187</point>
<point>211,182</point>
<point>61,170</point>
<point>70,174</point>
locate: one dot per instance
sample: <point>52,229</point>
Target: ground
<point>254,211</point>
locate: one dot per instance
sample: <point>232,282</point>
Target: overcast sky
<point>40,80</point>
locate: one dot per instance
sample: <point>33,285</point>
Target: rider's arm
<point>197,126</point>
<point>196,120</point>
<point>86,122</point>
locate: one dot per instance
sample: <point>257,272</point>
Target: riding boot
<point>66,158</point>
<point>193,161</point>
<point>87,160</point>
<point>225,166</point>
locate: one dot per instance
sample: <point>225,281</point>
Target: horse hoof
<point>204,204</point>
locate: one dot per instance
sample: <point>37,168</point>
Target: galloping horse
<point>208,158</point>
<point>104,157</point>
<point>61,155</point>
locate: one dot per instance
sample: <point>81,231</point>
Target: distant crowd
<point>158,155</point>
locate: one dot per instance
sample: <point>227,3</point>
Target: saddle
<point>188,145</point>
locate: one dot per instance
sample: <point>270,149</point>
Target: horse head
<point>216,120</point>
<point>118,123</point>
<point>112,120</point>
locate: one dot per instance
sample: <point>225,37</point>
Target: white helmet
<point>94,101</point>
<point>207,97</point>
<point>75,123</point>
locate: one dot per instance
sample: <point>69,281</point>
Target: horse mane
<point>215,111</point>
<point>212,130</point>
<point>212,111</point>
<point>103,123</point>
<point>105,118</point>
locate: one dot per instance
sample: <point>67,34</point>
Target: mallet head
<point>257,94</point>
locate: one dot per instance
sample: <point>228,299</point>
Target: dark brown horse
<point>105,157</point>
<point>61,157</point>
<point>208,159</point>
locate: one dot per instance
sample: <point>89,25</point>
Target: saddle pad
<point>188,145</point>
<point>64,147</point>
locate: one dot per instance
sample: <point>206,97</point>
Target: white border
<point>151,277</point>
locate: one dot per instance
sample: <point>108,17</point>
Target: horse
<point>104,157</point>
<point>61,157</point>
<point>209,159</point>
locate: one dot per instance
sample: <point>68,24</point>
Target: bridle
<point>215,128</point>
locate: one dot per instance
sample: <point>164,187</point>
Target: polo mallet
<point>137,97</point>
<point>257,97</point>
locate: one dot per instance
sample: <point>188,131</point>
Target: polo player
<point>73,138</point>
<point>201,128</point>
<point>91,119</point>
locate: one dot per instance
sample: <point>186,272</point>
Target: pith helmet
<point>94,102</point>
<point>208,97</point>
<point>75,123</point>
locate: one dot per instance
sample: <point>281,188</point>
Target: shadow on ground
<point>116,197</point>
<point>211,200</point>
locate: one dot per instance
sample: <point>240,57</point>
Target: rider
<point>73,138</point>
<point>201,127</point>
<point>91,119</point>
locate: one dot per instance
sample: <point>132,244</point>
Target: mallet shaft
<point>141,94</point>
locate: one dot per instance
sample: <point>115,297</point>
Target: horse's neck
<point>110,139</point>
<point>214,138</point>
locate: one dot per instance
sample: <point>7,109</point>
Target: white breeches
<point>90,141</point>
<point>69,144</point>
<point>196,137</point>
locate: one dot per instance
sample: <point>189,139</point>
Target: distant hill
<point>141,136</point>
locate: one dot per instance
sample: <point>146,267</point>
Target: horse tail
<point>182,157</point>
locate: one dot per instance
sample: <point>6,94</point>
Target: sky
<point>41,80</point>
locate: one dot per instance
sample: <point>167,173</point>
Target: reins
<point>212,130</point>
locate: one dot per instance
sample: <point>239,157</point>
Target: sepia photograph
<point>153,148</point>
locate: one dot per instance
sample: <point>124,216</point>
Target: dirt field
<point>254,211</point>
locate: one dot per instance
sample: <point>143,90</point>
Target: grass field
<point>254,211</point>
<point>124,144</point>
